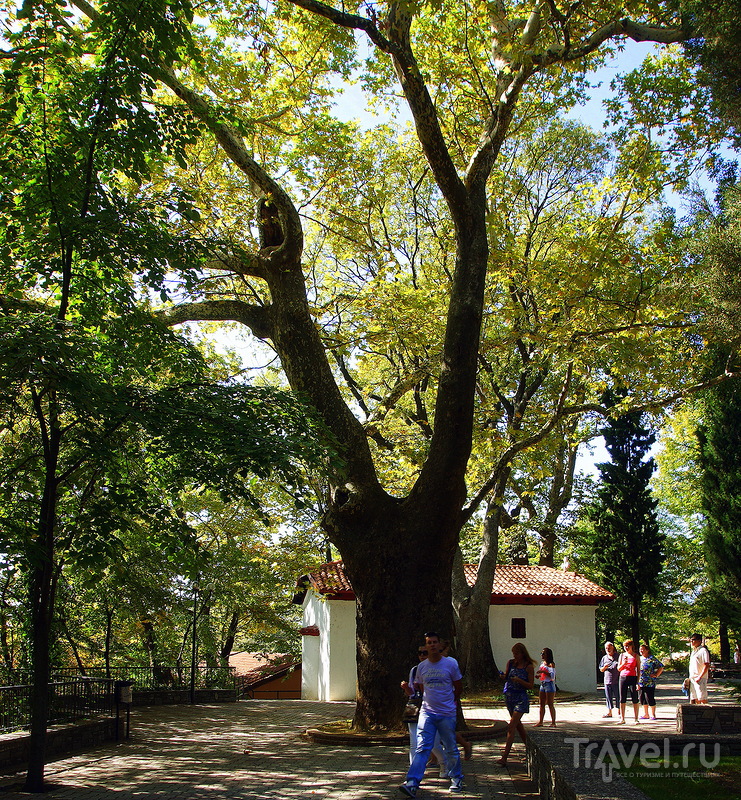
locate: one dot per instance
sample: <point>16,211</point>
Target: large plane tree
<point>258,81</point>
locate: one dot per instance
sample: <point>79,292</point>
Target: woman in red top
<point>628,666</point>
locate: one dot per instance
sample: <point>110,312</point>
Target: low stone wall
<point>60,741</point>
<point>708,720</point>
<point>552,766</point>
<point>66,739</point>
<point>179,697</point>
<point>576,767</point>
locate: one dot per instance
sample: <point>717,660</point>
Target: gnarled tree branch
<point>256,318</point>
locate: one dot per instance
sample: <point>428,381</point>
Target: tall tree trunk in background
<point>149,642</point>
<point>42,588</point>
<point>559,497</point>
<point>230,636</point>
<point>73,645</point>
<point>108,641</point>
<point>724,643</point>
<point>473,603</point>
<point>635,622</point>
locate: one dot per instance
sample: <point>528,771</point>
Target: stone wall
<point>708,720</point>
<point>179,697</point>
<point>577,768</point>
<point>60,741</point>
<point>551,765</point>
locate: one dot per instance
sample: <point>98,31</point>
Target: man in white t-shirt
<point>439,680</point>
<point>699,670</point>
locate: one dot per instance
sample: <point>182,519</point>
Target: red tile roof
<point>513,584</point>
<point>254,668</point>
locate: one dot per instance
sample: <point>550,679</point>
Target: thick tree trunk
<point>398,553</point>
<point>42,619</point>
<point>472,605</point>
<point>398,556</point>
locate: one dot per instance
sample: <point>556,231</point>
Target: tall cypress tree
<point>627,544</point>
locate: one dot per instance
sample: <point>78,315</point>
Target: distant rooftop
<point>253,669</point>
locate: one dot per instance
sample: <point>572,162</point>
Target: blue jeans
<point>437,750</point>
<point>427,726</point>
<point>612,696</point>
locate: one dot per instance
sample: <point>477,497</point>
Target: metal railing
<point>15,708</point>
<point>160,678</point>
<point>70,700</point>
<point>74,696</point>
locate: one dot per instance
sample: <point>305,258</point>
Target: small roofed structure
<point>266,677</point>
<point>539,606</point>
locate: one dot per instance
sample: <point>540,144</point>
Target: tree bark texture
<point>42,585</point>
<point>558,499</point>
<point>472,605</point>
<point>398,556</point>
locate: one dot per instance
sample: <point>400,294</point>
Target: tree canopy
<point>445,297</point>
<point>108,417</point>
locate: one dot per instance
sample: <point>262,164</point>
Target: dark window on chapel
<point>518,627</point>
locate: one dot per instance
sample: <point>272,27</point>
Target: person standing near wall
<point>699,670</point>
<point>547,693</point>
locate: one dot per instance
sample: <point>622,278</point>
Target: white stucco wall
<point>329,670</point>
<point>568,630</point>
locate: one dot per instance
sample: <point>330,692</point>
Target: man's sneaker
<point>408,789</point>
<point>456,787</point>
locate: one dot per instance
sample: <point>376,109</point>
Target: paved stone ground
<point>584,717</point>
<point>253,751</point>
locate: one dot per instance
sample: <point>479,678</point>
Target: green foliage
<point>716,31</point>
<point>115,431</point>
<point>241,570</point>
<point>628,545</point>
<point>714,237</point>
<point>720,461</point>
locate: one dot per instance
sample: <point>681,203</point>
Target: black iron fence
<point>74,697</point>
<point>70,700</point>
<point>161,677</point>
